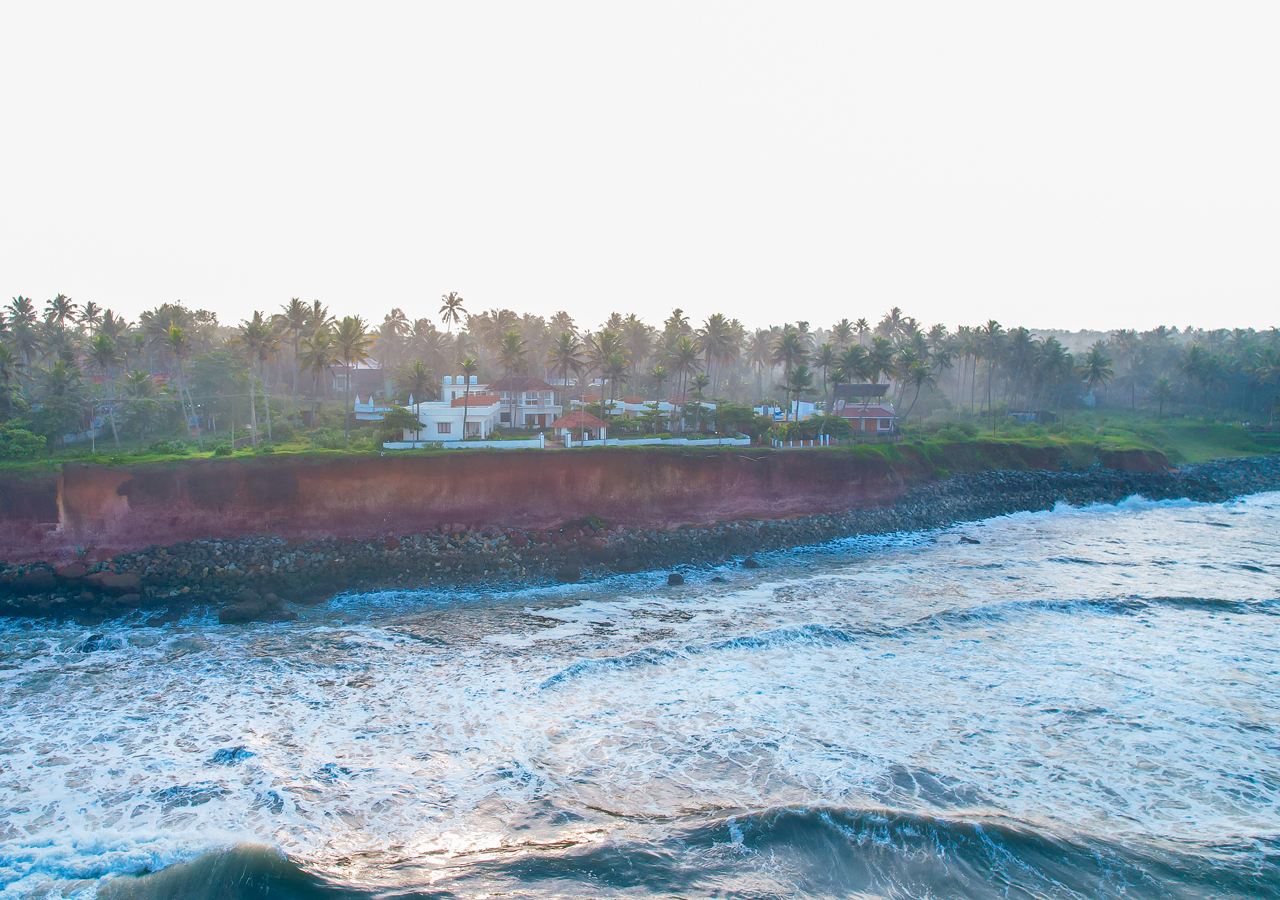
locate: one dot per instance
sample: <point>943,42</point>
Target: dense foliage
<point>73,373</point>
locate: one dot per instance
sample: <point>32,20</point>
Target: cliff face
<point>126,508</point>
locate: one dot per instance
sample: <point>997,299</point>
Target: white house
<point>442,420</point>
<point>530,400</point>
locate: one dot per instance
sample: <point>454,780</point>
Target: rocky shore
<point>257,579</point>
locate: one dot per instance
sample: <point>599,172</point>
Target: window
<point>443,427</point>
<point>886,424</point>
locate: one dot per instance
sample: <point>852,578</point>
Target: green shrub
<point>168,448</point>
<point>17,442</point>
<point>223,450</point>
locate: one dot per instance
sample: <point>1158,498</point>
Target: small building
<point>872,418</point>
<point>368,377</point>
<point>581,424</point>
<point>464,411</point>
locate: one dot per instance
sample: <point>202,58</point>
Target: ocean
<point>1076,703</point>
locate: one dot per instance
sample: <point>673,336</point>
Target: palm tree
<point>659,374</point>
<point>180,348</point>
<point>21,309</point>
<point>417,380</point>
<point>827,358</point>
<point>788,351</point>
<point>1162,390</point>
<point>565,355</point>
<point>104,356</point>
<point>615,369</point>
<point>451,311</point>
<point>294,320</point>
<point>351,344</point>
<point>842,333</point>
<point>469,367</point>
<point>683,357</point>
<point>90,316</point>
<point>253,336</point>
<point>11,366</point>
<point>58,310</point>
<point>917,373</point>
<point>992,336</point>
<point>317,355</point>
<point>1096,369</point>
<point>512,353</point>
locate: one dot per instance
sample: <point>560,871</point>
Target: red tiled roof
<point>577,419</point>
<point>637,400</point>
<point>486,399</point>
<point>855,411</point>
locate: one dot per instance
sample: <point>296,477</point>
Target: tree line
<point>65,365</point>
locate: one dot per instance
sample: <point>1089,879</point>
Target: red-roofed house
<point>582,423</point>
<point>527,402</point>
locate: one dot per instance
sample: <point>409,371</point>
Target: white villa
<point>530,400</point>
<point>442,420</point>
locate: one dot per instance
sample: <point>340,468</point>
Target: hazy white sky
<point>1072,164</point>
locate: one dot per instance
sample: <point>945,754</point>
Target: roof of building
<point>637,400</point>
<point>519,383</point>
<point>486,399</point>
<point>577,419</point>
<point>876,411</point>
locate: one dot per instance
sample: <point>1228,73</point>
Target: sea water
<point>1084,703</point>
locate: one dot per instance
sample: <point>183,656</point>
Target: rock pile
<point>252,579</point>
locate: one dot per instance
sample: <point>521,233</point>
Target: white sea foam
<point>909,672</point>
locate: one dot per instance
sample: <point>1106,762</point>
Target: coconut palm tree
<point>252,338</point>
<point>512,355</point>
<point>58,310</point>
<point>11,368</point>
<point>418,380</point>
<point>1162,390</point>
<point>615,370</point>
<point>351,343</point>
<point>317,356</point>
<point>565,355</point>
<point>1096,368</point>
<point>179,348</point>
<point>469,367</point>
<point>90,316</point>
<point>105,357</point>
<point>826,359</point>
<point>683,357</point>
<point>842,334</point>
<point>788,351</point>
<point>992,341</point>
<point>451,310</point>
<point>918,374</point>
<point>294,321</point>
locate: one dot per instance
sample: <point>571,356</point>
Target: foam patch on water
<point>1037,675</point>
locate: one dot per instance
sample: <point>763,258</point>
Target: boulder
<point>675,578</point>
<point>965,539</point>
<point>90,644</point>
<point>37,581</point>
<point>568,574</point>
<point>71,571</point>
<point>751,563</point>
<point>116,583</point>
<point>250,606</point>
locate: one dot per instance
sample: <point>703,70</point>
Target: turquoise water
<point>1084,703</point>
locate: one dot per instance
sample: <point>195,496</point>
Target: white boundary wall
<point>537,443</point>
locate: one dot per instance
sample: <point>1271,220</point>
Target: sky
<point>1069,165</point>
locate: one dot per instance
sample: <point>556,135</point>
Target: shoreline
<point>255,579</point>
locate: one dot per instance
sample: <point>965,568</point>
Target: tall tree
<point>452,309</point>
<point>351,343</point>
<point>294,320</point>
<point>469,367</point>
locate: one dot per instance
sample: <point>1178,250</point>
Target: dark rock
<point>114,583</point>
<point>568,574</point>
<point>90,644</point>
<point>71,571</point>
<point>719,580</point>
<point>37,581</point>
<point>965,539</point>
<point>675,578</point>
<point>751,563</point>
